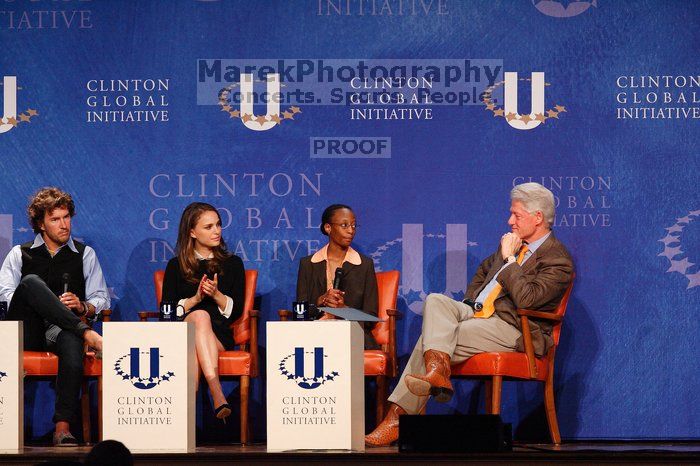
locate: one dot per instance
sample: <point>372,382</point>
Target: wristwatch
<point>509,260</point>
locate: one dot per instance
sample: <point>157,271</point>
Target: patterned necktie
<point>488,307</point>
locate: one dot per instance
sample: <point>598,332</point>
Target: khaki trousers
<point>449,326</point>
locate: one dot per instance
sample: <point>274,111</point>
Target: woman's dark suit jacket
<point>359,283</point>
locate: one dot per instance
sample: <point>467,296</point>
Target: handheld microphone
<point>473,304</point>
<point>66,279</point>
<point>338,277</point>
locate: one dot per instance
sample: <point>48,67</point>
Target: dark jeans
<point>35,304</point>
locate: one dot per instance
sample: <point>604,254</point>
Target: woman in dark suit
<point>358,288</point>
<point>208,283</point>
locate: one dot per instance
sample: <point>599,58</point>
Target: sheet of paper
<point>349,313</point>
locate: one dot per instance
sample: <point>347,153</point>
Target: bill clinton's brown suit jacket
<point>539,284</point>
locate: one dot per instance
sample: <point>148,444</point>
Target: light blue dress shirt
<point>95,286</point>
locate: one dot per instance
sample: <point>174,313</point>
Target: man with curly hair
<point>55,285</point>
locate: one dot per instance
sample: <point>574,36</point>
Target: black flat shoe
<point>222,412</point>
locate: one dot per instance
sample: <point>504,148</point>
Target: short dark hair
<point>46,200</point>
<point>108,453</point>
<point>328,214</point>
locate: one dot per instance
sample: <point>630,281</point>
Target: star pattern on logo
<point>673,249</point>
<point>24,117</point>
<point>489,105</point>
<point>260,119</point>
<point>146,382</point>
<point>414,296</point>
<point>299,379</point>
<point>669,239</point>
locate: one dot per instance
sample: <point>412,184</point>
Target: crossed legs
<point>450,335</point>
<point>50,324</point>
<point>449,327</point>
<point>207,347</point>
<point>36,305</point>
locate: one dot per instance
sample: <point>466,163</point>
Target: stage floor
<point>578,452</point>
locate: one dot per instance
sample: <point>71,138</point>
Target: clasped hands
<point>207,287</point>
<point>331,298</point>
<point>510,245</point>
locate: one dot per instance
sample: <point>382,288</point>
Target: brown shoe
<point>436,381</point>
<point>387,432</point>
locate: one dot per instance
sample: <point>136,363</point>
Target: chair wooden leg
<point>551,410</point>
<point>381,397</point>
<point>85,408</point>
<point>487,395</point>
<point>245,389</point>
<point>496,382</point>
<point>99,408</point>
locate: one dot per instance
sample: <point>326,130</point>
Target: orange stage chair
<point>495,367</point>
<point>241,363</point>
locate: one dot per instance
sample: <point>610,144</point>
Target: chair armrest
<point>529,349</point>
<point>284,314</point>
<point>104,316</point>
<point>145,315</point>
<point>539,315</point>
<point>391,346</point>
<point>254,315</point>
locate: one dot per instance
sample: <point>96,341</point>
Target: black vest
<point>39,262</point>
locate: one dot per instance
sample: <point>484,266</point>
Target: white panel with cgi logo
<point>149,387</point>
<point>11,388</point>
<point>315,385</point>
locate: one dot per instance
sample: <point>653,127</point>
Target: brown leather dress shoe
<point>436,381</point>
<point>387,432</point>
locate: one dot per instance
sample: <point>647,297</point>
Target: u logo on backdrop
<point>297,372</point>
<point>556,8</point>
<point>418,255</point>
<point>510,111</point>
<point>247,97</point>
<point>9,104</point>
<point>128,367</point>
<point>9,118</point>
<point>676,248</point>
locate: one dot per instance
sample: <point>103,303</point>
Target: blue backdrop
<point>134,108</point>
